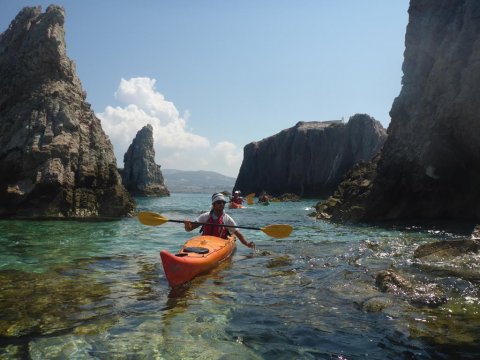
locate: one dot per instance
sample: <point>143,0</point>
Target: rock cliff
<point>430,165</point>
<point>310,158</point>
<point>55,159</point>
<point>141,176</point>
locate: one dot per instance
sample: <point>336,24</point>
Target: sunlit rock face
<point>429,167</point>
<point>55,159</point>
<point>141,175</point>
<point>310,158</point>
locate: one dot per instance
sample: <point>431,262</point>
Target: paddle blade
<point>151,218</point>
<point>278,230</point>
<point>250,198</point>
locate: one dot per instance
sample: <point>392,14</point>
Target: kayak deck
<point>197,255</point>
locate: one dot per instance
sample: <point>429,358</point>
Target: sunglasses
<point>219,202</point>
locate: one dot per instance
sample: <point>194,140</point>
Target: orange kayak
<point>198,255</point>
<point>233,205</point>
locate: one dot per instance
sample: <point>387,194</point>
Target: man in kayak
<point>219,217</point>
<point>263,198</point>
<point>237,199</point>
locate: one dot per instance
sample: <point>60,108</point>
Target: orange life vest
<point>237,200</point>
<point>218,231</point>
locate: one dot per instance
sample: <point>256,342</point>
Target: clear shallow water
<point>96,290</point>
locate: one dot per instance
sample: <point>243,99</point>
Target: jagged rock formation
<point>348,201</point>
<point>430,165</point>
<point>55,159</point>
<point>141,176</point>
<point>310,158</point>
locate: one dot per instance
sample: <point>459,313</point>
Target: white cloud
<point>141,92</point>
<point>175,146</point>
<point>227,154</point>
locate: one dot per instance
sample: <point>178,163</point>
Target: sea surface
<point>96,290</point>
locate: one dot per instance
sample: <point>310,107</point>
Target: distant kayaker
<point>263,197</point>
<point>219,217</point>
<point>237,198</point>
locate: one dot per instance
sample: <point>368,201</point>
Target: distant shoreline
<point>203,182</point>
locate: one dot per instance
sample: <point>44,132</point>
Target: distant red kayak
<point>197,256</point>
<point>233,205</point>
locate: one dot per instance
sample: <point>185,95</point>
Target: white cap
<point>218,197</point>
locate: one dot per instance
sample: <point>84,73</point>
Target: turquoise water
<point>96,290</point>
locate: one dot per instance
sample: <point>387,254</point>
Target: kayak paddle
<point>250,198</point>
<point>277,231</point>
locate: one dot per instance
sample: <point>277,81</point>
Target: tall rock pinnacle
<point>55,159</point>
<point>141,176</point>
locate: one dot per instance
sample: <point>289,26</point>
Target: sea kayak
<point>197,255</point>
<point>233,205</point>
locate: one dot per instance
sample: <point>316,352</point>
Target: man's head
<point>218,198</point>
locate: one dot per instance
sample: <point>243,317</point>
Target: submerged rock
<point>45,303</point>
<point>376,304</point>
<point>443,250</point>
<point>279,261</point>
<point>141,176</point>
<point>55,159</point>
<point>451,258</point>
<point>415,292</point>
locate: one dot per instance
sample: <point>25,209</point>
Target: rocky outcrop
<point>141,176</point>
<point>430,164</point>
<point>445,249</point>
<point>348,200</point>
<point>55,159</point>
<point>415,292</point>
<point>449,258</point>
<point>310,158</point>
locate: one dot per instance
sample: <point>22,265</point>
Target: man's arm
<point>189,226</point>
<point>244,241</point>
<point>192,225</point>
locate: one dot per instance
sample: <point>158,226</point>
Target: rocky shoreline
<point>429,167</point>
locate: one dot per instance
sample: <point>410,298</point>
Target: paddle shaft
<point>278,231</point>
<point>222,225</point>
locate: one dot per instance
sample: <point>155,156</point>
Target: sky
<point>212,76</point>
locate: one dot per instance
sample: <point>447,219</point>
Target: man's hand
<point>188,225</point>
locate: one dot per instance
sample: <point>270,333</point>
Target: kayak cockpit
<point>197,255</point>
